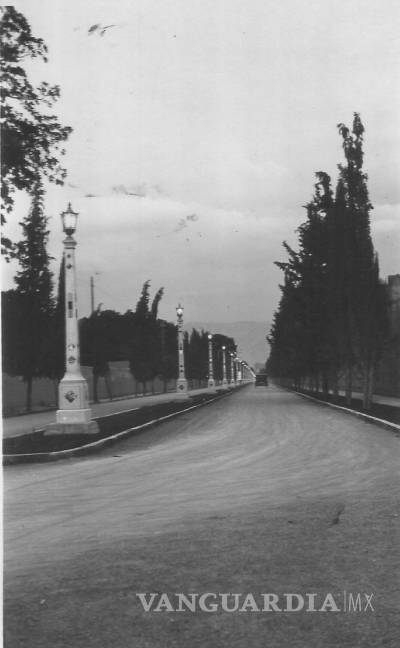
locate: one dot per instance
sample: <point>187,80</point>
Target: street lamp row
<point>74,413</point>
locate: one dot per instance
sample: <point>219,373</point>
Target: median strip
<point>87,448</point>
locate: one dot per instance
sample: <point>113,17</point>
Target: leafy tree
<point>145,339</point>
<point>168,358</point>
<point>156,302</point>
<point>32,138</point>
<point>12,306</point>
<point>101,343</point>
<point>142,307</point>
<point>197,356</point>
<point>56,339</point>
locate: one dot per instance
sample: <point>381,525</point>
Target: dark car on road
<point>261,380</point>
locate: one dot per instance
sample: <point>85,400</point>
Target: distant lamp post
<point>232,357</point>
<point>239,372</point>
<point>181,383</point>
<point>211,381</point>
<point>224,380</point>
<point>74,414</point>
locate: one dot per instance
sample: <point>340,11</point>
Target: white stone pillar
<point>74,414</point>
<point>181,383</point>
<point>224,380</point>
<point>211,381</point>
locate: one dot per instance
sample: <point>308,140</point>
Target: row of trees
<point>147,342</point>
<point>332,317</point>
<point>33,333</point>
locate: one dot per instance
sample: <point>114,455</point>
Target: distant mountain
<point>249,336</point>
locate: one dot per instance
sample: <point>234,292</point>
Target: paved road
<point>262,492</point>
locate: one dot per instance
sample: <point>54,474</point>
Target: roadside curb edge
<point>367,417</point>
<point>41,457</point>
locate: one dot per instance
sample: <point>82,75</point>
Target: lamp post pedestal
<point>182,388</point>
<point>73,398</point>
<point>74,414</point>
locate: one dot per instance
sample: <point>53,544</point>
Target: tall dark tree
<point>156,302</point>
<point>145,339</point>
<point>56,339</point>
<point>32,138</point>
<point>332,314</point>
<point>34,285</point>
<point>142,306</point>
<point>168,352</point>
<point>362,287</point>
<point>101,343</point>
<point>197,356</point>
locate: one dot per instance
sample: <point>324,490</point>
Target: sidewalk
<point>18,425</point>
<point>383,400</point>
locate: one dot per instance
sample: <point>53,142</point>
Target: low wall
<point>45,391</point>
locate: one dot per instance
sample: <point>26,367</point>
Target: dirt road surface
<point>261,492</point>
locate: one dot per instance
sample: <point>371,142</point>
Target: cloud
<point>140,190</point>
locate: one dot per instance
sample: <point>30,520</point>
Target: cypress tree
<point>34,285</point>
<point>361,284</point>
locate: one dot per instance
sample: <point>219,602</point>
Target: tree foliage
<point>331,319</point>
<point>32,305</point>
<point>32,138</point>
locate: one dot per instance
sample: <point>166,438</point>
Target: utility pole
<point>91,295</point>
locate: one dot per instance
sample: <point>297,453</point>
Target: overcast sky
<point>198,126</point>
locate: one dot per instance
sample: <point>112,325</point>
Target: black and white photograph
<point>200,309</point>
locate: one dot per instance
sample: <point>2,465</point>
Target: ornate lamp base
<point>74,415</point>
<point>182,388</point>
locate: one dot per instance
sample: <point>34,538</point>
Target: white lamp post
<point>224,380</point>
<point>74,414</point>
<point>232,357</point>
<point>211,381</point>
<point>181,383</point>
<point>239,373</point>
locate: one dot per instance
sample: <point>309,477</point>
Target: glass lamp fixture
<point>69,219</point>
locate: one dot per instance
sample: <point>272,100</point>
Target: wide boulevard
<point>260,492</point>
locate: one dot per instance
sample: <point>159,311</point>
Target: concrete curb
<point>388,425</point>
<point>40,457</point>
